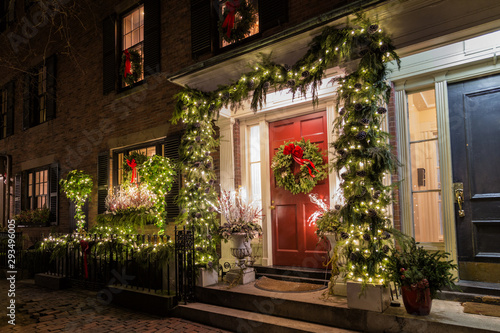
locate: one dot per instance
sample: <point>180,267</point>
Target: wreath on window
<point>237,19</point>
<point>131,67</point>
<point>131,163</point>
<point>310,159</point>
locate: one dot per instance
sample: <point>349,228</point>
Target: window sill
<point>132,89</point>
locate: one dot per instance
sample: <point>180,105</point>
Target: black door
<point>475,142</point>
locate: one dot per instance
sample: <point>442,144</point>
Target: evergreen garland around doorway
<point>363,157</point>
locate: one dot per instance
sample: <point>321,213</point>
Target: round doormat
<point>281,286</point>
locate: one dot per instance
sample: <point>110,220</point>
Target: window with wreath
<point>39,94</point>
<point>132,27</point>
<point>137,53</point>
<point>233,21</point>
<point>238,19</point>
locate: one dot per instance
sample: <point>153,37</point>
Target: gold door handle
<point>459,198</point>
<point>272,205</point>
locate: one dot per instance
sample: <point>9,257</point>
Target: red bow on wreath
<point>297,153</point>
<point>228,23</point>
<point>86,251</point>
<point>128,65</point>
<point>133,164</point>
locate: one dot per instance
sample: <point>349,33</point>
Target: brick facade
<point>88,122</point>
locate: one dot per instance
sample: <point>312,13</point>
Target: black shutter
<point>17,194</point>
<point>201,41</point>
<point>171,150</point>
<point>108,54</point>
<point>27,100</point>
<point>272,13</point>
<point>54,193</point>
<point>11,11</point>
<point>10,108</point>
<point>51,67</point>
<point>152,37</point>
<point>102,181</point>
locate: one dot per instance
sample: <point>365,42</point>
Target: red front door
<point>295,242</point>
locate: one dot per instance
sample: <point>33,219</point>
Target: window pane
<point>422,115</point>
<point>254,144</point>
<point>136,19</point>
<point>427,217</point>
<point>135,37</point>
<point>127,24</point>
<point>256,181</point>
<point>425,166</point>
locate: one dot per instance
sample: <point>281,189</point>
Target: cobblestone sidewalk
<point>73,310</point>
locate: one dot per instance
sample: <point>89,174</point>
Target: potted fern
<point>420,274</point>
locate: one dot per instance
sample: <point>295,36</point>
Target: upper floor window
<point>7,13</point>
<point>39,94</point>
<point>133,33</point>
<point>246,20</point>
<point>138,29</point>
<point>7,110</point>
<point>207,15</point>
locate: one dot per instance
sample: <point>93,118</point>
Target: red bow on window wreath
<point>128,65</point>
<point>297,153</point>
<point>228,23</point>
<point>133,164</point>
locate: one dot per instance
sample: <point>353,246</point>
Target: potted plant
<point>420,274</point>
<point>241,222</point>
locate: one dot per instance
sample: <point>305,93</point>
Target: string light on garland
<point>365,85</point>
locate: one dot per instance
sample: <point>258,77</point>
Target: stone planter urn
<point>240,249</point>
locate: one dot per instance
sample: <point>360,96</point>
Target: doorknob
<point>272,205</point>
<point>459,197</point>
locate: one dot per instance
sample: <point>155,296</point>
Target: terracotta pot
<point>417,302</point>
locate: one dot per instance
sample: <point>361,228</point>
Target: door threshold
<point>473,291</point>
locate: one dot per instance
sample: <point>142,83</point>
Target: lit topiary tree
<point>77,186</point>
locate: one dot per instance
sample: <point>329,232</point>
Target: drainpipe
<point>6,201</point>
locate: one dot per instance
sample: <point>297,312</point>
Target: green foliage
<point>300,182</point>
<point>245,18</point>
<point>38,216</point>
<point>158,174</point>
<point>136,67</point>
<point>77,186</point>
<point>332,47</point>
<point>329,222</point>
<point>415,267</point>
<point>134,219</point>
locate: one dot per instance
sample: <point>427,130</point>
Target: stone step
<point>292,278</point>
<point>315,308</point>
<point>297,272</point>
<point>245,321</point>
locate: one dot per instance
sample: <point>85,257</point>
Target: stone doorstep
<point>311,307</point>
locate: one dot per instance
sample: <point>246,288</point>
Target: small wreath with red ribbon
<point>312,167</point>
<point>131,66</point>
<point>237,19</point>
<point>131,163</point>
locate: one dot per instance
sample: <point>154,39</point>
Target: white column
<point>447,204</point>
<point>226,172</point>
<point>405,199</point>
